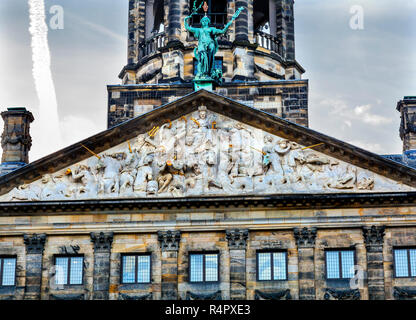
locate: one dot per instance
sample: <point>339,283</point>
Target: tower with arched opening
<point>257,57</point>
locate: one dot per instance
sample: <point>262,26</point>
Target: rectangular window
<point>340,264</point>
<point>69,270</point>
<point>405,262</point>
<point>271,266</point>
<point>203,267</point>
<point>7,271</point>
<point>136,268</point>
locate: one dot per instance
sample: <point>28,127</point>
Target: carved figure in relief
<point>144,174</point>
<point>295,160</point>
<point>89,186</point>
<point>346,177</point>
<point>128,173</point>
<point>48,188</point>
<point>26,192</point>
<point>272,167</point>
<point>144,145</point>
<point>112,165</point>
<point>365,181</point>
<point>207,165</point>
<point>177,185</point>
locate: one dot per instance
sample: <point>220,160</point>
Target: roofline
<point>222,105</point>
<point>228,203</point>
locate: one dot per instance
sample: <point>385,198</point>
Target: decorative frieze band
<point>305,238</point>
<point>102,241</point>
<point>237,238</point>
<point>169,240</point>
<point>35,243</point>
<point>374,236</point>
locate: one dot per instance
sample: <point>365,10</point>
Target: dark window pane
<point>279,266</point>
<point>196,264</point>
<point>402,267</point>
<point>129,269</point>
<point>9,271</point>
<point>332,264</point>
<point>75,276</point>
<point>347,260</point>
<point>265,266</point>
<point>61,270</point>
<point>143,269</point>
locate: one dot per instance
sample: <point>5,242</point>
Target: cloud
<point>351,115</point>
<point>364,114</point>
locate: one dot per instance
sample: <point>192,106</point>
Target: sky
<point>356,76</point>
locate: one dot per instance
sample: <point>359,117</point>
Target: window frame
<point>2,257</point>
<point>204,253</point>
<point>409,265</point>
<point>271,264</point>
<point>68,279</point>
<point>340,263</point>
<point>136,265</point>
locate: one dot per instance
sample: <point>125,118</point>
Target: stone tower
<point>407,109</point>
<point>15,140</point>
<point>257,57</point>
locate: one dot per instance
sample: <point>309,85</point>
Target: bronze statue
<point>207,45</point>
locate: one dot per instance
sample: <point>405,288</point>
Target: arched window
<point>264,16</point>
<point>217,11</point>
<point>155,15</point>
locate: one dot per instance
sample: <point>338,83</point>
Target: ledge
<point>276,202</point>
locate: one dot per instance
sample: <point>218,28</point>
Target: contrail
<point>48,121</point>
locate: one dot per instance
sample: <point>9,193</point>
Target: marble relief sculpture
<point>201,154</point>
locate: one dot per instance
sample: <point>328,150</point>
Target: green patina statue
<point>207,46</point>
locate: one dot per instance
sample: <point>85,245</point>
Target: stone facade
<point>170,235</point>
<point>286,99</point>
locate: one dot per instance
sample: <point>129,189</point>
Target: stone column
<point>286,27</point>
<point>35,245</point>
<point>374,238</point>
<point>305,241</point>
<point>101,276</point>
<point>174,20</point>
<point>241,23</point>
<point>237,243</point>
<point>169,244</point>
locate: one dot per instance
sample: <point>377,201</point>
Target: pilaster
<point>169,244</point>
<point>237,244</point>
<point>305,241</point>
<point>374,239</point>
<point>101,275</point>
<point>35,245</point>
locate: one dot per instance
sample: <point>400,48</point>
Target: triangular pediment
<point>204,145</point>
